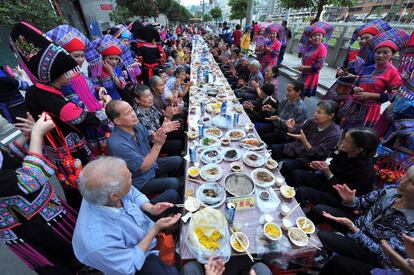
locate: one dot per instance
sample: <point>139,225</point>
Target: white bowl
<point>284,209</point>
<point>294,232</point>
<point>286,224</point>
<point>242,237</point>
<point>287,191</point>
<point>309,228</point>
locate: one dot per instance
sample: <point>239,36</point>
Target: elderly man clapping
<point>113,232</point>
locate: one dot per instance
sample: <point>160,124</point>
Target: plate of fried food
<point>252,144</point>
<point>211,172</point>
<point>235,134</point>
<point>214,132</point>
<point>263,177</point>
<point>253,159</point>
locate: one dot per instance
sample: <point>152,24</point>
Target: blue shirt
<point>124,146</point>
<point>107,238</point>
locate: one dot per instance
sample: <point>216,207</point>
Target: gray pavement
<point>326,76</point>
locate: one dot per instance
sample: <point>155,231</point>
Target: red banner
<point>106,7</point>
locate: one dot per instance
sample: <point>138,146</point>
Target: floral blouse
<point>149,117</point>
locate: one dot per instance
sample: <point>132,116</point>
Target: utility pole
<point>202,8</point>
<point>249,12</point>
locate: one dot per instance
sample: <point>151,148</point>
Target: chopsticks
<point>291,211</point>
<point>241,244</point>
<point>179,205</point>
<point>313,245</point>
<point>196,181</point>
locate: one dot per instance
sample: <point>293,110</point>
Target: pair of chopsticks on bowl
<point>241,244</point>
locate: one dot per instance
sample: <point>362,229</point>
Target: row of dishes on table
<point>207,232</point>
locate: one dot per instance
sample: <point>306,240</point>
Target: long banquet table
<point>246,219</point>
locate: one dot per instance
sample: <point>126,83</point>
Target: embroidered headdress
<point>319,26</point>
<point>71,40</point>
<point>110,45</point>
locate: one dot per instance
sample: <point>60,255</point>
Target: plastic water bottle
<point>223,108</point>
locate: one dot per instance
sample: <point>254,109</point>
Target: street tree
<point>216,13</point>
<point>141,8</point>
<point>316,5</point>
<point>207,18</point>
<point>38,13</point>
<point>238,9</point>
<point>120,14</point>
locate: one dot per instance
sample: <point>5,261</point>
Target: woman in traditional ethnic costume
<point>35,223</point>
<point>356,60</point>
<point>53,68</point>
<point>76,43</point>
<point>275,33</point>
<point>375,84</point>
<point>147,48</point>
<point>111,77</point>
<point>260,41</point>
<point>313,60</point>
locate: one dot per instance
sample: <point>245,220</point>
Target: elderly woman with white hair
<point>248,90</point>
<point>114,232</point>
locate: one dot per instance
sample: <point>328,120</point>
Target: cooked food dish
<point>252,157</point>
<point>208,242</point>
<point>210,193</point>
<point>231,154</point>
<point>305,224</point>
<point>212,154</point>
<point>208,141</point>
<point>298,237</point>
<point>272,231</point>
<point>287,191</point>
<point>214,132</point>
<point>194,171</point>
<point>239,247</point>
<point>236,134</point>
<point>264,176</point>
<point>212,171</point>
<point>239,184</point>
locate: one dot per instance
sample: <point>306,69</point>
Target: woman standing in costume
<point>53,68</point>
<point>75,43</point>
<point>37,226</point>
<point>313,59</point>
<point>272,49</point>
<point>355,61</point>
<point>376,83</point>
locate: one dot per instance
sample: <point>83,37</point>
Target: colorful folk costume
<point>109,45</point>
<point>147,48</point>
<point>355,61</point>
<point>34,222</point>
<point>260,45</point>
<point>72,40</point>
<point>383,79</point>
<point>272,54</point>
<point>12,103</point>
<point>50,65</point>
<point>313,56</point>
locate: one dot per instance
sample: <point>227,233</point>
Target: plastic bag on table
<point>273,251</point>
<point>208,235</point>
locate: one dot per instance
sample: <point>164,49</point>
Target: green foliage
<point>120,14</point>
<point>38,13</point>
<point>316,5</point>
<point>207,18</point>
<point>216,13</point>
<point>142,8</point>
<point>178,13</point>
<point>198,14</point>
<point>238,9</point>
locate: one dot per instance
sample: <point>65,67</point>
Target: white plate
<point>210,185</point>
<point>251,147</point>
<point>215,142</point>
<point>207,159</point>
<point>254,163</point>
<point>207,177</point>
<point>262,183</point>
<point>218,135</point>
<point>237,157</point>
<point>243,134</point>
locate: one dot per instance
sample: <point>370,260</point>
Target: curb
<point>293,74</point>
